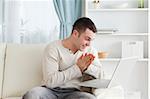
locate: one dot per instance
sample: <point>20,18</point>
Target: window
<point>31,21</point>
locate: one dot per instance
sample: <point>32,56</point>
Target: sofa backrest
<point>2,58</point>
<point>23,68</point>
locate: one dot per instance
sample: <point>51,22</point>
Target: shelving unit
<point>132,23</point>
<point>128,9</point>
<point>125,34</point>
<point>117,59</point>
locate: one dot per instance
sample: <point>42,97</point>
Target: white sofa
<point>21,70</point>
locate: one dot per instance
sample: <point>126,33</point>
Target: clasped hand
<point>84,61</point>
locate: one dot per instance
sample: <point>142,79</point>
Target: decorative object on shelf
<point>96,4</point>
<point>132,48</point>
<point>104,4</point>
<point>102,54</point>
<point>140,3</point>
<point>107,31</point>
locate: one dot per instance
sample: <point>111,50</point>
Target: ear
<point>75,33</point>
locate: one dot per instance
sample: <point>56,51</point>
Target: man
<point>64,63</point>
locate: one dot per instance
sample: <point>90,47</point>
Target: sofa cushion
<point>23,68</point>
<point>13,98</point>
<point>2,58</point>
<point>116,92</point>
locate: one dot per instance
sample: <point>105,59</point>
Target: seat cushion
<point>23,69</point>
<point>2,57</point>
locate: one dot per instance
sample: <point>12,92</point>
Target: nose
<point>88,43</point>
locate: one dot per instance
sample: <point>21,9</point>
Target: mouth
<point>83,47</point>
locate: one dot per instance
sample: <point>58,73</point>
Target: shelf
<point>127,9</point>
<point>123,34</point>
<point>117,59</point>
<point>132,24</point>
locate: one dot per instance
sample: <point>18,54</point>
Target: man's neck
<point>69,44</point>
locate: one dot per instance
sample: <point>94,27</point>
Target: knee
<point>80,95</point>
<point>88,95</point>
<point>35,93</point>
<point>27,95</point>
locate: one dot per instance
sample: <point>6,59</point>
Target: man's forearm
<point>57,79</point>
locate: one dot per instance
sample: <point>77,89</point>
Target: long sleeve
<point>53,76</point>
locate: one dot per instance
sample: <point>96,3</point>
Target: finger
<point>88,64</point>
<point>81,56</point>
<point>87,58</point>
<point>92,56</point>
<point>92,59</point>
<point>85,54</point>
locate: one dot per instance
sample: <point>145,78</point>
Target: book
<point>107,31</point>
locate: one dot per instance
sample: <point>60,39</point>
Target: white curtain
<point>30,21</point>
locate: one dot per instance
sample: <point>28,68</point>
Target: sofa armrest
<point>2,62</point>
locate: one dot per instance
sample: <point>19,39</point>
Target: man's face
<point>84,39</point>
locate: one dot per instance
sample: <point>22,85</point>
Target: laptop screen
<point>122,71</point>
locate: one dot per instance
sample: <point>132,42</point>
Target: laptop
<point>120,75</point>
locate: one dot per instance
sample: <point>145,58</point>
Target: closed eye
<point>88,39</point>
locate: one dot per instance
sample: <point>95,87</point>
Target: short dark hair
<point>83,23</point>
